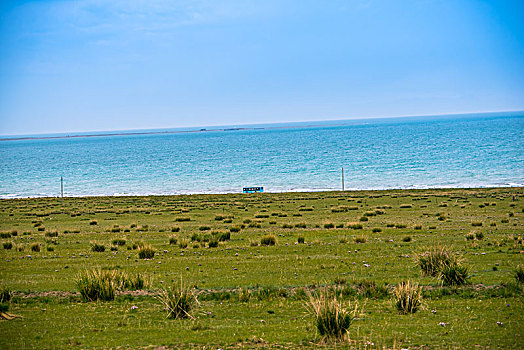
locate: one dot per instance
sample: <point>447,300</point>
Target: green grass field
<point>361,243</point>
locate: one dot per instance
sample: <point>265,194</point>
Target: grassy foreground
<point>251,295</point>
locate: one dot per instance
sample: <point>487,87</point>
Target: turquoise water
<point>468,151</point>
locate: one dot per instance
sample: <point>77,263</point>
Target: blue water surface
<point>472,151</point>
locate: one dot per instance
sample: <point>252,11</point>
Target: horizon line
<point>226,127</point>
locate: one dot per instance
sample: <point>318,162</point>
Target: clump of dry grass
<point>179,301</point>
<point>269,239</point>
<point>146,252</point>
<point>408,297</point>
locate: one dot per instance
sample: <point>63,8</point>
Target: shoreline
<point>166,132</point>
<point>309,191</point>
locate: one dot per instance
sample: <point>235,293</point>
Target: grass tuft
<point>432,260</point>
<point>454,274</point>
<point>97,247</point>
<point>146,252</point>
<point>408,297</point>
<point>519,274</point>
<point>179,301</point>
<point>332,319</point>
<point>269,239</point>
<point>94,285</point>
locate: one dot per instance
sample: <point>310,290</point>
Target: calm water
<point>473,151</point>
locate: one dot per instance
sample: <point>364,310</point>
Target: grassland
<point>251,294</point>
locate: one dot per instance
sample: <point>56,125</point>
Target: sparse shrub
<point>195,237</point>
<point>476,224</point>
<point>119,242</point>
<point>406,239</point>
<point>41,229</point>
<point>479,235</point>
<point>364,218</point>
<point>300,239</point>
<point>340,226</point>
<point>401,225</point>
<point>408,297</point>
<point>234,229</point>
<point>175,229</point>
<point>179,301</point>
<point>93,222</point>
<point>301,225</point>
<point>269,239</point>
<point>376,230</point>
<point>454,274</point>
<point>146,252</point>
<point>5,235</point>
<point>204,228</point>
<point>50,248</point>
<point>253,243</point>
<point>7,245</point>
<point>183,219</point>
<point>173,240</point>
<point>36,247</point>
<point>504,221</point>
<point>97,247</point>
<point>405,206</point>
<point>417,227</point>
<point>390,225</point>
<point>219,218</point>
<point>519,274</point>
<point>332,320</point>
<point>287,226</point>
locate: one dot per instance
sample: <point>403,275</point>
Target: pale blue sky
<point>69,66</point>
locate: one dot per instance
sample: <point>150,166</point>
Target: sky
<point>73,66</point>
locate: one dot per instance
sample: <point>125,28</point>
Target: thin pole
<point>62,189</point>
<point>342,179</point>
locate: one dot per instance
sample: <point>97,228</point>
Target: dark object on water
<point>253,189</point>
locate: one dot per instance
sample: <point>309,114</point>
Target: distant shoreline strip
<point>306,190</point>
<point>168,132</point>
